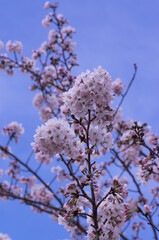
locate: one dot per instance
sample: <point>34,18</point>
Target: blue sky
<point>113,34</point>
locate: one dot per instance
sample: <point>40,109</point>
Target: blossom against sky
<point>113,34</point>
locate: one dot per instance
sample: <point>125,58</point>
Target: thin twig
<point>124,95</point>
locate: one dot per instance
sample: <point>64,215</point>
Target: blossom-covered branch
<point>102,162</point>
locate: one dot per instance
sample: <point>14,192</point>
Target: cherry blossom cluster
<point>120,187</point>
<point>5,187</point>
<point>14,47</point>
<point>26,64</point>
<point>56,58</point>
<point>16,190</point>
<point>40,193</point>
<point>4,237</point>
<point>148,169</point>
<point>49,18</point>
<point>100,135</point>
<point>74,206</point>
<point>152,139</point>
<point>126,143</point>
<point>14,130</point>
<point>7,64</point>
<point>111,211</point>
<point>30,180</point>
<point>56,137</point>
<point>49,74</point>
<point>60,44</point>
<point>91,91</point>
<point>118,86</point>
<point>69,227</point>
<point>130,209</point>
<point>13,170</point>
<point>111,220</point>
<point>3,154</point>
<point>36,192</point>
<point>47,106</point>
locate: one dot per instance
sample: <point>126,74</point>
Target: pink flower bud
<point>147,208</point>
<point>47,5</point>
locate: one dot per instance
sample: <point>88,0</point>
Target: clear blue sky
<point>114,34</point>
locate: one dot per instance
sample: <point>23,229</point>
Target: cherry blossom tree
<point>83,138</point>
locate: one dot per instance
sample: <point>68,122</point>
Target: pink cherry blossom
<point>14,47</point>
<point>14,130</point>
<point>1,45</point>
<point>47,5</point>
<point>51,138</point>
<point>4,237</point>
<point>118,86</point>
<point>46,21</point>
